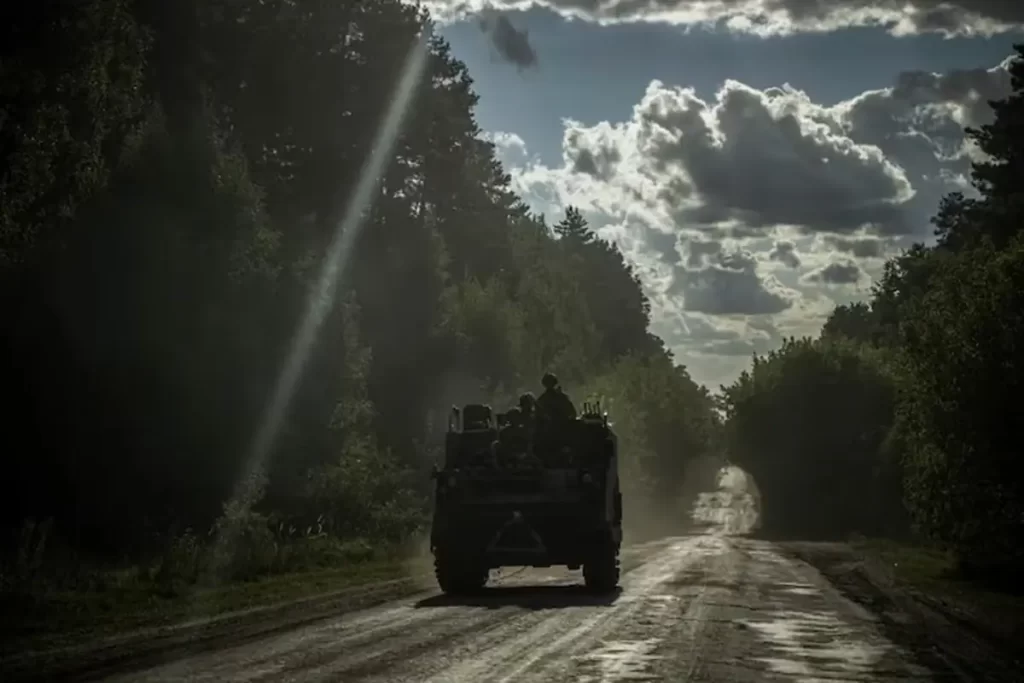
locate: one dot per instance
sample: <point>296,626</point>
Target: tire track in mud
<point>353,639</point>
<point>574,643</point>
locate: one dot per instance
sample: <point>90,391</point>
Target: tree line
<point>903,414</point>
<point>174,175</point>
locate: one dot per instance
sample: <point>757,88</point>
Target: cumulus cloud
<point>761,158</point>
<point>775,17</point>
<point>748,162</point>
<point>511,44</point>
<point>763,207</point>
<point>918,123</point>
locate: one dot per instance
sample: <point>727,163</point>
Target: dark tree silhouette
<point>172,177</point>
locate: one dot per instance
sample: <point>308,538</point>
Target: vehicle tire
<point>458,578</point>
<point>601,572</point>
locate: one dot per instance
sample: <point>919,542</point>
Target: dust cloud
<point>419,562</point>
<point>733,508</point>
<point>650,513</point>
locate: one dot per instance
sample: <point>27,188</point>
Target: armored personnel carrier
<point>516,494</point>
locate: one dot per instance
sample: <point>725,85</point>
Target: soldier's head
<point>527,402</point>
<point>549,381</point>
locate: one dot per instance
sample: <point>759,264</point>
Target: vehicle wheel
<point>601,571</point>
<point>458,578</point>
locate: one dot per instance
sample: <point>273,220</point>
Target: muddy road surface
<point>707,607</point>
<point>711,606</point>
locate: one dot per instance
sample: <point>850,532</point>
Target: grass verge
<point>931,576</point>
<point>63,618</point>
<point>65,635</point>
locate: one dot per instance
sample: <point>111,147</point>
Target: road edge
<point>156,645</point>
<point>909,618</point>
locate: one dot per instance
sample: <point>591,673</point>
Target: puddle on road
<point>647,578</point>
<point>815,646</point>
<point>620,660</point>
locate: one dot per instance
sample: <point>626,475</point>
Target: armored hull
<point>563,508</point>
<point>499,528</point>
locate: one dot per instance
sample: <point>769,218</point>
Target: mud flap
<point>515,521</point>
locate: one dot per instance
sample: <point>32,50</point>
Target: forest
<point>252,254</point>
<point>900,419</point>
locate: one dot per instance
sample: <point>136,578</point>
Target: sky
<point>756,160</point>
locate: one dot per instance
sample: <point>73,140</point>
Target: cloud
<point>775,17</point>
<point>918,123</point>
<point>699,251</point>
<point>716,349</point>
<point>511,44</point>
<point>860,247</point>
<point>509,146</point>
<point>745,162</point>
<point>748,162</point>
<point>763,158</point>
<point>664,244</point>
<point>753,212</point>
<point>785,253</point>
<point>730,285</point>
<point>837,273</point>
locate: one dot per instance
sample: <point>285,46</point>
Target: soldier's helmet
<point>527,402</point>
<point>549,381</point>
<point>515,416</point>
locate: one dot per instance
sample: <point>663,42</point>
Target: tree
<point>965,482</point>
<point>72,90</point>
<point>854,321</point>
<point>204,181</point>
<point>808,423</point>
<point>574,228</point>
<point>964,223</point>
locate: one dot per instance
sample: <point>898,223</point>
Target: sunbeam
<point>249,486</point>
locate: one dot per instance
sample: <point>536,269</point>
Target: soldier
<point>528,408</point>
<point>513,442</point>
<point>553,404</point>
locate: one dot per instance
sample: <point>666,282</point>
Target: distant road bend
<point>706,607</point>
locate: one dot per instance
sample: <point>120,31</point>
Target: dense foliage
<point>908,401</point>
<point>175,176</point>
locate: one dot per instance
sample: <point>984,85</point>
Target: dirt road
<point>709,607</point>
<point>714,606</point>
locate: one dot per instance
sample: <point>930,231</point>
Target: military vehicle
<point>515,494</point>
